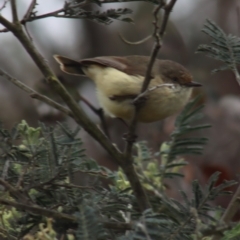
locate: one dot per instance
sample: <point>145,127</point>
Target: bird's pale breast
<point>160,103</point>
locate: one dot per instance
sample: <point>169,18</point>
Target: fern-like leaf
<point>89,227</point>
<point>180,144</point>
<point>225,48</point>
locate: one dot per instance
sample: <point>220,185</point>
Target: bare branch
<point>232,208</point>
<point>230,211</point>
<point>5,169</point>
<point>9,26</point>
<point>30,9</point>
<point>4,5</point>
<point>99,112</point>
<point>14,192</point>
<point>50,102</point>
<point>35,94</point>
<point>170,85</point>
<point>27,15</point>
<point>14,11</point>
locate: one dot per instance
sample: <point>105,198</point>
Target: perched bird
<point>119,80</point>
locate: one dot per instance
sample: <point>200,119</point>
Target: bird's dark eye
<point>175,79</point>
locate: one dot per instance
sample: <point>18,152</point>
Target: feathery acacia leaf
<point>225,48</point>
<point>180,144</point>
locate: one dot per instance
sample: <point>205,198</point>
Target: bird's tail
<point>69,66</point>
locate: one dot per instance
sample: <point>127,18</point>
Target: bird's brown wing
<point>132,65</point>
<point>105,62</point>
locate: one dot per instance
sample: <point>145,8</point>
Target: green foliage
<point>179,221</point>
<point>89,227</point>
<point>225,48</point>
<point>181,143</point>
<point>40,164</point>
<point>232,234</point>
<point>150,172</point>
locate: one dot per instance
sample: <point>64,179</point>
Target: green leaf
<point>225,48</point>
<point>128,20</point>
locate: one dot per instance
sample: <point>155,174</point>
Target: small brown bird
<point>119,80</point>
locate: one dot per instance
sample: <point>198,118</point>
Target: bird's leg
<point>100,113</point>
<point>126,136</point>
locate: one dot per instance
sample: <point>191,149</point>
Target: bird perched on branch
<point>119,81</point>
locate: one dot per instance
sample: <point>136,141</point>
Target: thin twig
<point>5,169</point>
<point>51,103</point>
<point>27,15</point>
<point>30,16</point>
<point>134,43</point>
<point>230,211</point>
<point>14,192</point>
<point>14,11</point>
<point>35,94</point>
<point>30,10</point>
<point>198,223</point>
<point>21,176</point>
<point>170,85</point>
<point>219,229</point>
<point>99,112</point>
<point>234,204</point>
<point>33,208</point>
<point>4,5</point>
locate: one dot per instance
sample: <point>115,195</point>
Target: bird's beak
<point>193,84</point>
